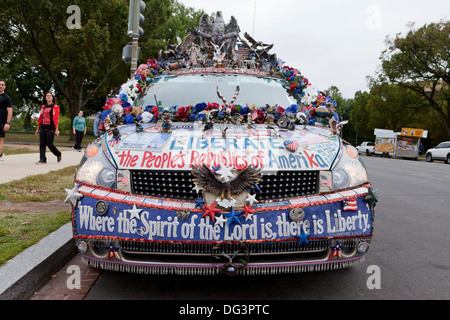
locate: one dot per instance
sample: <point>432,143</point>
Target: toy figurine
<point>167,123</point>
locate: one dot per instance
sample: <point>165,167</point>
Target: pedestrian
<point>97,121</point>
<point>6,111</point>
<point>79,130</point>
<point>48,127</point>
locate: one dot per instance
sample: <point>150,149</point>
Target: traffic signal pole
<point>134,56</point>
<point>134,31</point>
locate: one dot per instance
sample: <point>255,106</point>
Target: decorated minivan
<point>218,158</point>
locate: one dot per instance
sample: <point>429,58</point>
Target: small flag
<point>324,180</point>
<point>350,204</point>
<point>292,146</point>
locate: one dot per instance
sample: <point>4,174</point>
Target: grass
<point>26,137</point>
<point>20,229</point>
<point>11,151</point>
<point>43,187</point>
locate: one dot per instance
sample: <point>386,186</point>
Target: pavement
<point>38,273</point>
<point>17,167</point>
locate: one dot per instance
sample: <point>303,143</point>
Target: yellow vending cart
<point>408,142</point>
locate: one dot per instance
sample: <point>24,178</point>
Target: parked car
<point>186,181</point>
<point>441,152</point>
<point>366,148</point>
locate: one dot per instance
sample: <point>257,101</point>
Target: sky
<point>332,42</point>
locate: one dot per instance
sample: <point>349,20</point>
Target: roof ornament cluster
<point>216,47</point>
<point>219,46</point>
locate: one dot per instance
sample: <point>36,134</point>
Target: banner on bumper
<point>149,224</point>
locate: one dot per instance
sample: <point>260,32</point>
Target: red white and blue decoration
<point>349,204</point>
<point>290,145</point>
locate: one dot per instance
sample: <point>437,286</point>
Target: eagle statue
<point>209,181</point>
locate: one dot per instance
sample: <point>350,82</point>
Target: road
<point>409,251</point>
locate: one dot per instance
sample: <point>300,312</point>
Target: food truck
<point>403,144</point>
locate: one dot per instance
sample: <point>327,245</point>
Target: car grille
<point>179,184</point>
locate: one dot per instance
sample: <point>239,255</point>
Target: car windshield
<point>189,90</point>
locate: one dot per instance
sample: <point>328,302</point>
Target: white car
<point>366,148</point>
<point>441,152</point>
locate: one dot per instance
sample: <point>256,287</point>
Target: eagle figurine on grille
<point>210,182</point>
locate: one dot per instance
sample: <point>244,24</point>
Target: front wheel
<point>429,157</point>
<point>448,159</point>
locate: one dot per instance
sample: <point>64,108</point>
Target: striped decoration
<point>290,145</point>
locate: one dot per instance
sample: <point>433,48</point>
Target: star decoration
<point>197,188</point>
<point>251,199</point>
<point>220,221</point>
<point>303,237</point>
<point>233,216</point>
<point>248,211</point>
<point>336,250</point>
<point>210,211</point>
<point>199,203</point>
<point>372,197</point>
<point>134,212</point>
<point>225,173</point>
<point>73,196</point>
<point>112,251</point>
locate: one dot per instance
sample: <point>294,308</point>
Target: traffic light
<point>136,18</point>
<point>127,53</point>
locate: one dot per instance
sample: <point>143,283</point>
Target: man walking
<point>6,111</point>
<point>79,130</point>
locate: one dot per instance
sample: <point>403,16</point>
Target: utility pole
<point>135,19</point>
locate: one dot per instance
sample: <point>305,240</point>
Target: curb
<point>21,276</point>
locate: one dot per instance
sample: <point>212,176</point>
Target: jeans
<point>46,137</point>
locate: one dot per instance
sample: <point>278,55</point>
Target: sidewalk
<point>28,271</point>
<point>16,167</point>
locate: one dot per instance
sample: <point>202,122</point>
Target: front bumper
<point>115,231</point>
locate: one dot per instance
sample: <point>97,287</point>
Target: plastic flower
<point>129,119</point>
<point>183,113</point>
<point>111,102</point>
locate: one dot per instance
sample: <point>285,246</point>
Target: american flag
<point>123,179</point>
<point>291,145</point>
<point>350,204</point>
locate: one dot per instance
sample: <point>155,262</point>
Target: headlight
<point>106,178</point>
<point>350,170</point>
<point>97,170</point>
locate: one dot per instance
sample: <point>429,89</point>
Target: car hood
<point>147,148</point>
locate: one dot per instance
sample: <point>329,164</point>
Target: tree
<point>78,61</point>
<point>83,61</point>
<point>360,117</point>
<point>420,62</point>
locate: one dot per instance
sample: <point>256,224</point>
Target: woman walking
<point>79,130</point>
<point>48,127</point>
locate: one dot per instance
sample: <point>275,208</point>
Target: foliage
<point>420,62</point>
<point>83,64</point>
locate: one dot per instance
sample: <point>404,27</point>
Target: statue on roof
<point>213,31</point>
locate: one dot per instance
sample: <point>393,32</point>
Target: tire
<point>367,152</point>
<point>429,157</point>
<point>447,160</point>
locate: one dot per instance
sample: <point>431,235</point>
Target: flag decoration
<point>290,145</point>
<point>336,250</point>
<point>112,251</point>
<point>350,204</point>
